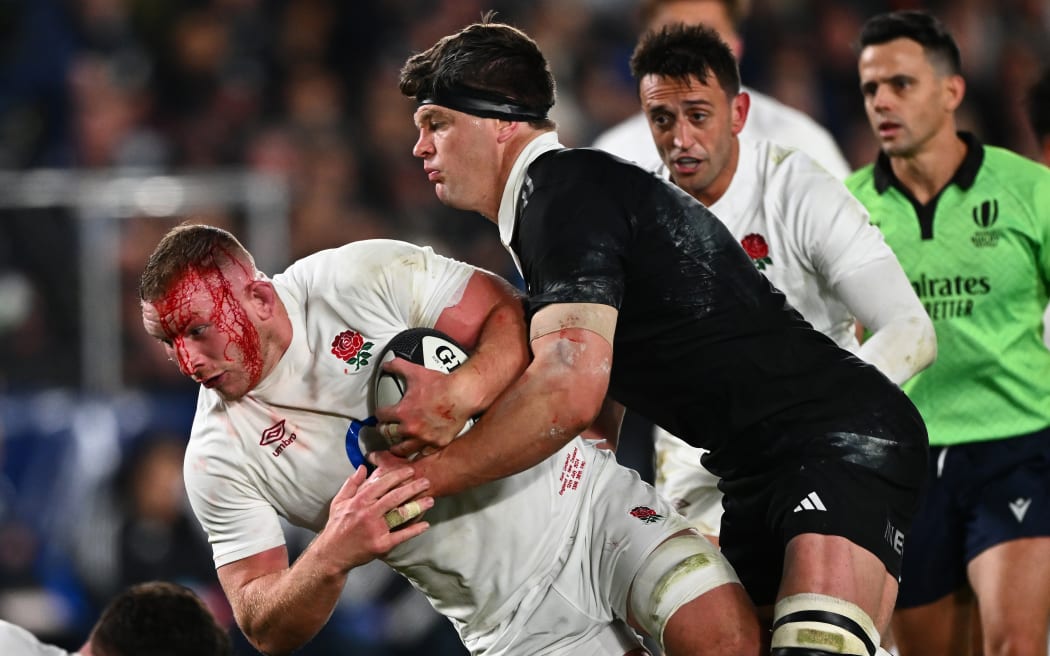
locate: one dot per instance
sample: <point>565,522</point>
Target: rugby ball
<point>423,346</point>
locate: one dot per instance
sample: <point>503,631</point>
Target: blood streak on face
<point>213,338</point>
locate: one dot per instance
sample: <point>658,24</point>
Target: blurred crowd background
<point>282,121</point>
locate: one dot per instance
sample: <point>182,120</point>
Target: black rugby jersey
<point>704,346</point>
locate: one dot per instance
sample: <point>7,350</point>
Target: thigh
<point>939,628</point>
<point>832,565</point>
<point>1012,585</point>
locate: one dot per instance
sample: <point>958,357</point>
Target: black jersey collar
<point>964,175</point>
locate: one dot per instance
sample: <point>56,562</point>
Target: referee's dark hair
<point>921,27</point>
<point>681,52</point>
<point>489,57</point>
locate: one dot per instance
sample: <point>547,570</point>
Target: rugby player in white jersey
<point>558,559</point>
<point>800,225</point>
<point>769,118</point>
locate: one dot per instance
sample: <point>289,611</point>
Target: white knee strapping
<point>822,623</point>
<point>676,572</point>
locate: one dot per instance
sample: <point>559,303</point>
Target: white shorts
<point>579,607</point>
<point>686,483</point>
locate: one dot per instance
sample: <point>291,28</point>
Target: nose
<point>880,100</point>
<point>424,146</point>
<point>683,137</point>
<point>187,357</point>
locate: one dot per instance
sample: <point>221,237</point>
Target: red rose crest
<point>757,248</point>
<point>646,514</point>
<point>350,347</point>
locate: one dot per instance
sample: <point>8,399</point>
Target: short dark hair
<point>488,57</point>
<point>919,26</point>
<point>687,51</point>
<point>185,247</point>
<point>1039,105</point>
<point>159,619</point>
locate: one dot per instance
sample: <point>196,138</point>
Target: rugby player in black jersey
<point>638,296</point>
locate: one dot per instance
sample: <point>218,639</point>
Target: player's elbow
<point>575,379</point>
<point>267,635</point>
<point>271,642</point>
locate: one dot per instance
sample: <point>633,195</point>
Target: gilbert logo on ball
<point>423,346</point>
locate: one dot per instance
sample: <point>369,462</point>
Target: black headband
<point>485,104</point>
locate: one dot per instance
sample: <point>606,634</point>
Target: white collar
<point>508,207</point>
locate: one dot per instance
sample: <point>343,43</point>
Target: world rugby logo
<point>986,214</point>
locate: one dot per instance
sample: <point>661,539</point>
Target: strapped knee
<point>675,573</point>
<point>817,625</point>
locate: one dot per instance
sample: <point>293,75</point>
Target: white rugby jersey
<point>280,450</point>
<point>768,119</point>
<point>816,232</point>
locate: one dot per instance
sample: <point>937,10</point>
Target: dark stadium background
<point>282,121</point>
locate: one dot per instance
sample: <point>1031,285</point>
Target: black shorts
<point>873,508</point>
<point>977,496</point>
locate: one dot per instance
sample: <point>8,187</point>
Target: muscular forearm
<point>497,340</point>
<point>500,356</point>
<point>282,611</point>
<point>555,399</point>
<point>279,607</point>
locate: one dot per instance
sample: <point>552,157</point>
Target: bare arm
<point>558,396</point>
<point>279,608</point>
<point>903,341</point>
<point>488,321</point>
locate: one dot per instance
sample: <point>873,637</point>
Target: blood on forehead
<point>208,294</point>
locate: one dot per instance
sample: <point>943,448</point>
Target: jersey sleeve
<point>239,522</point>
<point>573,244</point>
<point>830,225</point>
<point>393,281</point>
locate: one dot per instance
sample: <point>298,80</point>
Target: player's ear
<point>505,130</point>
<point>262,297</point>
<point>955,89</point>
<point>740,106</point>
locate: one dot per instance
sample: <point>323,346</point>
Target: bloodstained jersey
<point>704,347</point>
<point>978,256</point>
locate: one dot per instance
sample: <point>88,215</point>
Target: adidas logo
<point>811,502</point>
<point>1019,507</point>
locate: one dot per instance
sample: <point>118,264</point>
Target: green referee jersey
<point>978,256</point>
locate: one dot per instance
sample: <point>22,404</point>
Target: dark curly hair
<point>488,57</point>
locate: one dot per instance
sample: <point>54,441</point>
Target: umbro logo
<point>811,502</point>
<point>276,434</point>
<point>1019,507</point>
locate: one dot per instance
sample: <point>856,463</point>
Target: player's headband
<point>485,104</point>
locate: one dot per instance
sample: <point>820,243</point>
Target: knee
<point>818,625</point>
<point>674,588</point>
<point>1020,643</point>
